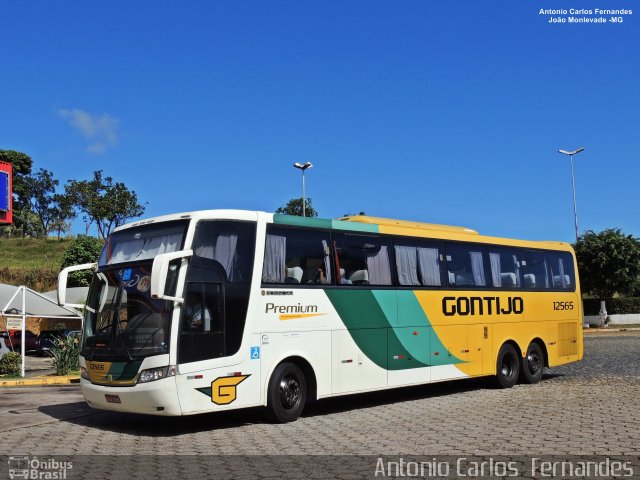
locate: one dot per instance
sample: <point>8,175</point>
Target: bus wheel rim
<point>533,361</point>
<point>289,392</point>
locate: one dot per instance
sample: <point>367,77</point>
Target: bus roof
<point>360,223</point>
<point>407,224</point>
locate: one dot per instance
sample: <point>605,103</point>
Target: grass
<point>32,253</point>
<point>34,262</point>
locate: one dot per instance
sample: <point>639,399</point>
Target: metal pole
<point>304,200</point>
<point>24,324</point>
<point>573,185</point>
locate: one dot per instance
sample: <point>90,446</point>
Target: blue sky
<point>440,111</point>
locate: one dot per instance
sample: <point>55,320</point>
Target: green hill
<point>34,262</point>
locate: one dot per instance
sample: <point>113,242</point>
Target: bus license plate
<point>112,398</point>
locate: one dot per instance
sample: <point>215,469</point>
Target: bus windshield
<point>142,243</point>
<point>121,320</point>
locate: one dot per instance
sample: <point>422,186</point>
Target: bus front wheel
<point>287,393</point>
<point>508,366</point>
<point>533,364</point>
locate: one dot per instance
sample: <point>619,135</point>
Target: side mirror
<point>62,283</point>
<point>159,273</point>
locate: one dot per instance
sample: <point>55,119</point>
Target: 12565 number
<point>563,305</point>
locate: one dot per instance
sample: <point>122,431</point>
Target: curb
<point>606,330</point>
<point>41,381</point>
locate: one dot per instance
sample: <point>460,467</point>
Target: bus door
<point>202,320</point>
<point>201,334</point>
<point>206,378</point>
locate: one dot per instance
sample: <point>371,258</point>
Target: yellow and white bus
<point>224,309</point>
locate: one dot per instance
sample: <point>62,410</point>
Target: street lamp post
<point>303,167</point>
<point>573,184</point>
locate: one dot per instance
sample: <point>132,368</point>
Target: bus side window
<point>505,267</point>
<point>296,257</point>
<point>465,265</point>
<point>363,259</point>
<point>202,323</point>
<point>225,249</point>
<point>535,272</point>
<point>202,312</point>
<point>418,263</point>
<point>561,270</point>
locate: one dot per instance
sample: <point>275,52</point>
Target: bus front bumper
<point>153,398</point>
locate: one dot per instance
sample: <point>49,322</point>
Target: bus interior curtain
<point>516,270</point>
<point>563,279</point>
<point>428,261</point>
<point>407,264</point>
<point>224,252</point>
<point>144,248</point>
<point>124,251</point>
<point>546,274</point>
<point>327,261</point>
<point>494,259</point>
<point>274,259</point>
<point>477,268</point>
<point>379,268</point>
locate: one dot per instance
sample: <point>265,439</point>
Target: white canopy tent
<point>22,302</point>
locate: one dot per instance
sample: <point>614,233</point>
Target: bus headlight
<point>153,374</point>
<point>84,373</point>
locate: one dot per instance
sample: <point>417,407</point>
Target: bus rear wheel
<point>287,393</point>
<point>533,364</point>
<point>508,366</point>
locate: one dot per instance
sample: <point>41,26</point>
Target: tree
<point>81,250</point>
<point>26,223</point>
<point>106,203</point>
<point>608,262</point>
<point>41,191</point>
<point>63,213</point>
<point>59,226</point>
<point>294,207</point>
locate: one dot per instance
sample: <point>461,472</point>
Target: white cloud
<point>100,129</point>
<point>96,148</point>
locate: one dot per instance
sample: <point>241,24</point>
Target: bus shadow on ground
<point>388,397</point>
<point>156,426</point>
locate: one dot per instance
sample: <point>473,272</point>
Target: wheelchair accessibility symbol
<point>255,353</point>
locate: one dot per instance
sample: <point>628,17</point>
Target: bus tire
<point>532,364</point>
<point>507,366</point>
<point>287,393</point>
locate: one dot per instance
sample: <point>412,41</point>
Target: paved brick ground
<point>592,407</point>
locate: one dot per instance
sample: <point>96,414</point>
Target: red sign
<point>6,189</point>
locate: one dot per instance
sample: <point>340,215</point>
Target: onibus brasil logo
<point>35,468</point>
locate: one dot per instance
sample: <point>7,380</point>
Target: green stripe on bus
<point>413,315</point>
<point>311,222</point>
<point>324,223</point>
<point>354,226</point>
<point>371,319</point>
<point>124,370</point>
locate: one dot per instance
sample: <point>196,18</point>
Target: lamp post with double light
<point>573,184</point>
<point>303,167</point>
